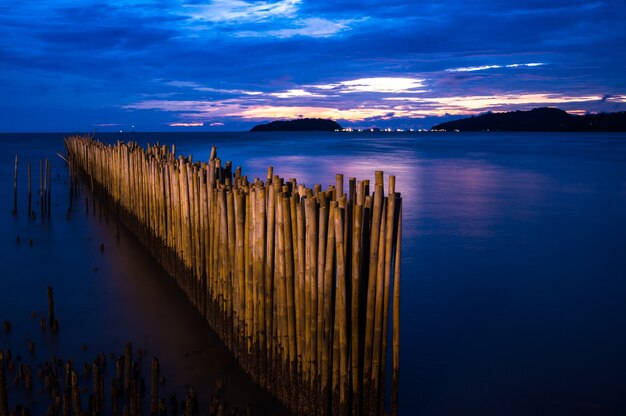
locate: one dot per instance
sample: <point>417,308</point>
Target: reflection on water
<point>513,267</point>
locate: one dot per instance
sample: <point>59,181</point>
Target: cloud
<point>173,105</point>
<point>262,19</point>
<point>528,65</point>
<point>375,85</point>
<point>472,104</point>
<point>314,27</point>
<point>485,67</point>
<point>198,110</point>
<point>473,68</point>
<point>186,124</point>
<point>282,112</point>
<point>362,109</point>
<point>239,11</point>
<point>198,87</point>
<point>295,93</point>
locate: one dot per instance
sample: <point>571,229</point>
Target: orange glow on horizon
<point>193,113</point>
<point>186,124</point>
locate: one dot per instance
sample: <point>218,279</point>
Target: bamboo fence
<point>301,284</point>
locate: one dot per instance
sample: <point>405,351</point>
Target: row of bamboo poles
<point>45,186</point>
<point>301,284</point>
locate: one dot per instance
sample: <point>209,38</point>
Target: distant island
<point>539,119</point>
<point>300,124</point>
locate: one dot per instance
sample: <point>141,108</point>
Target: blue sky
<point>72,65</point>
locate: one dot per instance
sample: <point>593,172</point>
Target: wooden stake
<point>4,403</point>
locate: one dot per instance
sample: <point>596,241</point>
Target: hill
<point>539,119</point>
<point>300,124</point>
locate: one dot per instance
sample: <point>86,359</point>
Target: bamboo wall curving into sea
<point>301,284</point>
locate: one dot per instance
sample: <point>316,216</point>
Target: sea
<point>513,290</point>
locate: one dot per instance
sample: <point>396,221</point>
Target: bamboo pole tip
<point>379,176</point>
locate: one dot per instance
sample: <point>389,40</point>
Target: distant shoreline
<point>539,120</point>
<point>300,124</point>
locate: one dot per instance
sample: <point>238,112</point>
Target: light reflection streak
<point>477,194</point>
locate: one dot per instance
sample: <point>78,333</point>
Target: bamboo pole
<point>29,191</point>
<point>75,393</point>
<point>378,314</point>
<point>341,310</point>
<point>15,186</point>
<point>282,350</point>
<point>321,263</point>
<point>389,253</point>
<point>67,393</point>
<point>309,278</point>
<point>128,357</point>
<point>299,292</point>
<point>312,242</point>
<point>354,310</point>
<point>95,372</point>
<point>154,387</point>
<point>41,189</point>
<point>224,258</point>
<point>233,277</point>
<point>51,306</point>
<point>4,402</point>
<point>248,277</point>
<point>49,189</point>
<point>269,261</point>
<point>395,377</point>
<point>328,302</point>
<point>260,225</point>
<point>291,328</point>
<point>240,205</point>
<point>338,186</point>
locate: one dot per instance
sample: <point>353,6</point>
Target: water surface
<point>514,265</point>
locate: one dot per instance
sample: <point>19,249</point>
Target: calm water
<point>514,266</point>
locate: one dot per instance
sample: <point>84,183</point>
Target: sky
<point>164,65</point>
